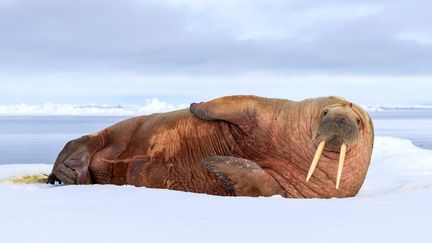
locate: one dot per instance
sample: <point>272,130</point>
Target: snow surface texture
<point>150,106</point>
<point>394,205</point>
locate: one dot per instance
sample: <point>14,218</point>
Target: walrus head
<point>339,128</point>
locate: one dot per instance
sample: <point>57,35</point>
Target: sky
<point>181,51</point>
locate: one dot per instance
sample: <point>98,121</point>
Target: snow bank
<point>393,206</point>
<point>49,109</point>
<point>397,166</point>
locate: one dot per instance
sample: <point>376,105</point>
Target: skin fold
<point>231,146</point>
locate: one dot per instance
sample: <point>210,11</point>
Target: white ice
<point>394,205</point>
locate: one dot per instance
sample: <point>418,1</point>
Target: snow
<point>394,205</point>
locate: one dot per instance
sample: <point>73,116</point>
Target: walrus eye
<point>358,121</point>
<point>325,113</point>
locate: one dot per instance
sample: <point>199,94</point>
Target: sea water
<point>39,139</point>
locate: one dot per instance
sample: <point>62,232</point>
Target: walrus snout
<point>337,129</point>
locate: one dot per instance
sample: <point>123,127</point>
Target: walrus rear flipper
<point>243,176</point>
<point>72,164</point>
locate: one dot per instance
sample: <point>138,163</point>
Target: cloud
<point>92,50</point>
<point>419,37</point>
<point>196,37</point>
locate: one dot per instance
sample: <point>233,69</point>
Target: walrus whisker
<point>341,162</point>
<point>315,159</point>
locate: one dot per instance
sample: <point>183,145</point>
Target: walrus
<point>231,146</point>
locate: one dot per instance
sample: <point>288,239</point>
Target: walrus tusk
<point>315,159</point>
<point>341,162</point>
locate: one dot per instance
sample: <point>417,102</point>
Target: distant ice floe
<point>397,107</point>
<point>150,106</point>
<point>48,109</point>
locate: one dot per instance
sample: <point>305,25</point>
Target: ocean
<point>39,139</point>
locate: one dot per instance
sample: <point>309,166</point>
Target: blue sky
<point>123,52</point>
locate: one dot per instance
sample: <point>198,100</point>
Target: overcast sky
<point>108,52</point>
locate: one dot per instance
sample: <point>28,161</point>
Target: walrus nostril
<point>339,120</point>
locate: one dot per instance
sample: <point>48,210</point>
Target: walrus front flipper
<point>72,164</point>
<point>240,110</point>
<point>242,176</point>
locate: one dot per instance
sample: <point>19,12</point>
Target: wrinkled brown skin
<point>233,146</point>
